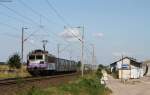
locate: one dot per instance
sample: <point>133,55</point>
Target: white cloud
<point>32,41</point>
<point>98,35</point>
<point>70,34</point>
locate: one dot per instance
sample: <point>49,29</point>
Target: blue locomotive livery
<point>40,62</point>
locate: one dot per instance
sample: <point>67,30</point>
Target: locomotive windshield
<point>32,57</point>
<point>35,57</point>
<point>39,57</point>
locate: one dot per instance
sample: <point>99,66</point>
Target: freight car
<point>40,62</point>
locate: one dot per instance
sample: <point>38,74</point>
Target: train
<point>40,62</point>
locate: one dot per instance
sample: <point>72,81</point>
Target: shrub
<point>36,91</point>
<point>14,61</point>
<point>99,71</point>
<point>83,86</point>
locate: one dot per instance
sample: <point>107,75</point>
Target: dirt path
<point>136,87</point>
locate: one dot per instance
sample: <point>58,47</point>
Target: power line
<point>29,19</point>
<point>10,26</point>
<point>17,20</point>
<point>17,37</point>
<point>21,15</point>
<point>35,12</point>
<point>61,18</point>
<point>57,13</point>
<point>31,9</point>
<point>14,18</point>
<point>14,28</point>
<point>32,34</point>
<point>9,35</point>
<point>39,14</point>
<point>14,36</point>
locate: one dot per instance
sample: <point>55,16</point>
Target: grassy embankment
<point>89,85</point>
<point>4,73</point>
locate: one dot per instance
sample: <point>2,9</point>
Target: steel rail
<point>12,81</point>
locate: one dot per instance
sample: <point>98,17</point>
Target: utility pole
<point>44,44</point>
<point>82,52</point>
<point>82,46</point>
<point>93,55</point>
<point>22,48</point>
<point>122,69</point>
<point>58,50</point>
<point>22,44</point>
<point>70,53</point>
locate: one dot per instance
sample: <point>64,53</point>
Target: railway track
<point>7,82</point>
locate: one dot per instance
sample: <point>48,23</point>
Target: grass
<point>89,85</point>
<point>14,74</point>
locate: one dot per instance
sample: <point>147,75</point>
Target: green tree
<point>99,71</point>
<point>14,61</point>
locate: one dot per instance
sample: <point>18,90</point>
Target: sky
<point>115,27</point>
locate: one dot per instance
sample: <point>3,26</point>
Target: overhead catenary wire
<point>17,37</point>
<point>57,13</point>
<point>68,25</point>
<point>62,19</point>
<point>14,18</point>
<point>17,19</point>
<point>21,15</point>
<point>40,15</point>
<point>26,19</point>
<point>31,20</point>
<point>10,26</point>
<point>36,12</point>
<point>14,28</point>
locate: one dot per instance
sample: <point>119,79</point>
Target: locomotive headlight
<point>41,62</point>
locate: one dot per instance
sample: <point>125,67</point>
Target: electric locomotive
<point>40,62</point>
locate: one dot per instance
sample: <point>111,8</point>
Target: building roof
<point>147,62</point>
<point>130,58</point>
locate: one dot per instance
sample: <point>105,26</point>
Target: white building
<point>127,68</point>
<point>146,67</point>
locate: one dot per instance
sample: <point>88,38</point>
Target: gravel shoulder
<point>132,87</point>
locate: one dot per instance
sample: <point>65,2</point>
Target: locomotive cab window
<point>31,57</point>
<point>39,57</point>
